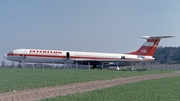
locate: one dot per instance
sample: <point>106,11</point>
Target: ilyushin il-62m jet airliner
<point>144,53</point>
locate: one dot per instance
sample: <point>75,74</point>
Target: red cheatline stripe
<point>76,57</point>
<point>57,56</point>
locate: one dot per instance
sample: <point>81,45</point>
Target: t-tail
<point>150,46</point>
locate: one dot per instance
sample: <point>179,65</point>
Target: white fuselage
<point>59,56</point>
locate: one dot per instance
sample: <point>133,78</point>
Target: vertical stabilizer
<point>150,46</point>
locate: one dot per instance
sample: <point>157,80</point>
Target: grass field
<point>19,79</point>
<point>165,89</point>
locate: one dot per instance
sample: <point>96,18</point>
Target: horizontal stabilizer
<point>149,47</point>
<point>155,37</point>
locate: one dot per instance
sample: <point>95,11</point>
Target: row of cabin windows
<point>96,56</point>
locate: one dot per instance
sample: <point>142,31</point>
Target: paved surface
<point>48,92</point>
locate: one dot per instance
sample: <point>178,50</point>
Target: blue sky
<point>87,25</point>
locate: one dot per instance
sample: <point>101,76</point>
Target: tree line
<point>167,55</point>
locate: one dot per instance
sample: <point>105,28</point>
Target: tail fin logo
<point>143,50</point>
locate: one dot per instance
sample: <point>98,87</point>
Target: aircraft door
<point>122,57</point>
<point>67,55</point>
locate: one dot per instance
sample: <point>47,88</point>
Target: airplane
<point>144,53</point>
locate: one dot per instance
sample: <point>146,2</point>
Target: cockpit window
<point>10,53</point>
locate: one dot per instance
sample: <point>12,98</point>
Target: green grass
<point>165,89</point>
<point>19,79</point>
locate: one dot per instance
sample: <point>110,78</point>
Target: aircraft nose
<point>5,56</point>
